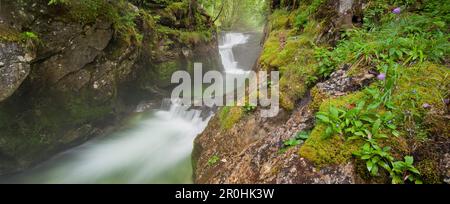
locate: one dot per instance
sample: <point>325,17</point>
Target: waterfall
<point>152,147</point>
<point>229,40</point>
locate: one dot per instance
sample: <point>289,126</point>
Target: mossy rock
<point>9,35</point>
<point>229,116</point>
<point>293,55</point>
<point>419,85</point>
<point>317,98</point>
<point>164,71</point>
<point>335,150</point>
<point>429,170</point>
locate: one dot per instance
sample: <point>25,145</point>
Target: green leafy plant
<point>405,171</point>
<point>25,36</point>
<point>364,123</point>
<point>213,160</point>
<point>299,138</point>
<point>302,18</point>
<point>357,123</point>
<point>248,108</point>
<point>375,157</point>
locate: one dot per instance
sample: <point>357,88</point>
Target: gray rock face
<point>78,52</point>
<point>14,68</point>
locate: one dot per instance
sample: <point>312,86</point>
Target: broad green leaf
<point>369,165</point>
<point>391,126</point>
<point>359,133</point>
<point>409,160</point>
<point>365,157</point>
<point>323,118</point>
<point>334,112</point>
<point>396,133</point>
<point>375,170</point>
<point>373,106</point>
<point>376,126</point>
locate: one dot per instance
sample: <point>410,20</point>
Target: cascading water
<point>154,147</point>
<point>230,40</point>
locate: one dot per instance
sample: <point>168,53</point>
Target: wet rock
<point>13,68</point>
<point>83,50</point>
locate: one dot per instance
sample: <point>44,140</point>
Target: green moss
<point>185,37</point>
<point>230,115</point>
<point>343,101</point>
<point>196,37</point>
<point>279,19</point>
<point>9,35</point>
<point>162,72</point>
<point>87,11</point>
<point>429,170</point>
<point>317,98</point>
<point>335,150</point>
<point>420,84</point>
<point>80,111</point>
<point>294,84</point>
<point>425,83</point>
<point>293,55</point>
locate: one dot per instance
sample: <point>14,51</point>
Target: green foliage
<point>375,157</point>
<point>237,14</point>
<point>405,40</point>
<point>357,123</point>
<point>405,171</point>
<point>229,116</point>
<point>29,36</point>
<point>213,160</point>
<point>118,12</point>
<point>426,83</point>
<point>299,138</point>
<point>366,123</point>
<point>248,108</point>
<point>306,11</point>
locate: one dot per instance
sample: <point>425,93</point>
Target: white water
<point>144,152</point>
<point>230,40</point>
<point>153,147</point>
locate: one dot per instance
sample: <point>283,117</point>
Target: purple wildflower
<point>447,101</point>
<point>397,10</point>
<point>426,106</point>
<point>381,76</point>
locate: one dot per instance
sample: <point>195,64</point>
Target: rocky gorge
<point>363,91</point>
<point>68,69</point>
